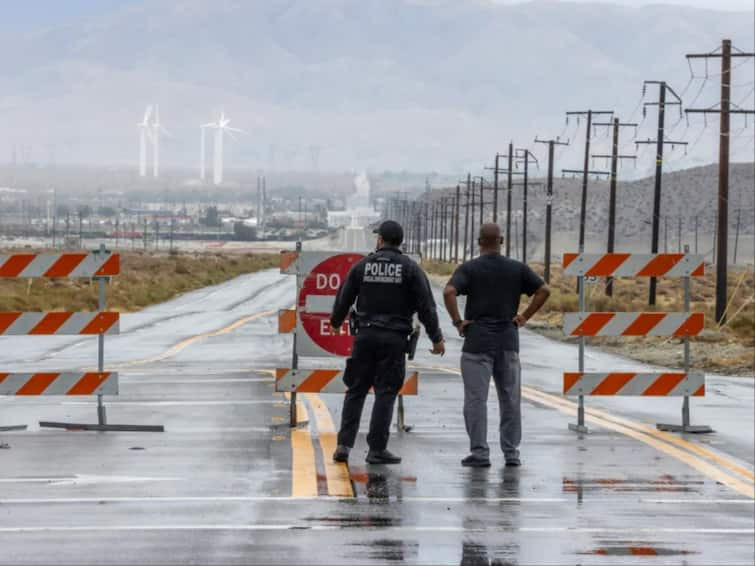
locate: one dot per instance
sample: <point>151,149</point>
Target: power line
<point>725,112</point>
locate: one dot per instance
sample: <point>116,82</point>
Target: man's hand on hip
<point>439,348</point>
<point>520,320</point>
<point>462,327</point>
<point>335,330</point>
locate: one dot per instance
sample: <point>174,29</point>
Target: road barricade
<point>99,265</point>
<point>318,277</point>
<point>585,324</point>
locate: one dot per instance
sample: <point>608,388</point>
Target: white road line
<point>285,499</point>
<point>264,498</point>
<point>178,403</point>
<point>398,529</point>
<point>86,479</point>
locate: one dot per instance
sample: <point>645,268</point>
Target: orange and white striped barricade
<point>584,324</point>
<point>99,265</point>
<point>319,275</point>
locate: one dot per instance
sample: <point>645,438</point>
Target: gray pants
<point>476,370</point>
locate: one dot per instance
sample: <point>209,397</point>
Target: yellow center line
<point>303,471</point>
<point>662,441</point>
<point>336,474</point>
<point>700,465</point>
<point>183,344</point>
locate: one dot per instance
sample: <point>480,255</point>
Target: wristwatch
<point>457,323</point>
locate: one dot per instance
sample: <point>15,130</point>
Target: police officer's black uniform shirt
<point>388,288</point>
<point>493,285</point>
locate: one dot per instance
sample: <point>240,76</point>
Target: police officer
<point>388,289</point>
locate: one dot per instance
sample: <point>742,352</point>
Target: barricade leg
<point>9,428</point>
<point>102,425</point>
<point>292,410</point>
<point>685,426</point>
<point>580,426</point>
<point>401,416</point>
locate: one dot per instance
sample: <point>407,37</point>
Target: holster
<point>411,343</point>
<point>353,321</point>
<point>349,379</point>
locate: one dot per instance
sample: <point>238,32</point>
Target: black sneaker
<point>473,461</point>
<point>382,457</point>
<point>341,454</point>
<point>513,462</point>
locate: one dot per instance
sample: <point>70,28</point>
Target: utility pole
<point>725,110</point>
<point>516,236</point>
<point>665,234</point>
<point>696,219</point>
<point>466,214</point>
<point>172,231</point>
<point>432,230</point>
<point>509,173</point>
<point>457,205</point>
<point>443,228</point>
<point>495,188</point>
<point>525,155</point>
<point>549,202</point>
<point>679,235</point>
<point>614,157</point>
<point>659,142</point>
<point>586,169</point>
<point>497,170</point>
<point>471,226</point>
<point>736,235</point>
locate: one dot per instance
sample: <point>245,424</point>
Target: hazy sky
<point>735,5</point>
<point>31,15</point>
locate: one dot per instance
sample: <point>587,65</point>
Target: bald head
<point>490,237</point>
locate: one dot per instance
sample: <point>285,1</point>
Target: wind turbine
<point>202,150</point>
<point>144,132</point>
<point>221,127</point>
<point>157,130</point>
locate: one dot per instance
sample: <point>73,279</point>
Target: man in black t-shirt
<point>493,285</point>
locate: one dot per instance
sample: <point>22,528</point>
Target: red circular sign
<point>315,303</point>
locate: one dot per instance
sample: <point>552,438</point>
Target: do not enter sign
<point>315,304</point>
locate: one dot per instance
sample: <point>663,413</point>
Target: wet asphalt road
<point>229,482</point>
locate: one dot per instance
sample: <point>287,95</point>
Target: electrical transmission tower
<point>724,110</point>
<point>586,170</point>
<point>660,142</point>
<point>549,202</point>
<point>614,157</point>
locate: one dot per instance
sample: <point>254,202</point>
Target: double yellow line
<point>303,452</point>
<point>716,466</point>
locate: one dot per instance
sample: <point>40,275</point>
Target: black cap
<point>391,232</point>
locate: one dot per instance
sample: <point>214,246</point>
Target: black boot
<point>382,457</point>
<point>341,454</point>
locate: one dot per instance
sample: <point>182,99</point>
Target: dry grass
<point>726,348</point>
<point>145,279</point>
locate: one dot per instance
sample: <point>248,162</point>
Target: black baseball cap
<point>391,232</point>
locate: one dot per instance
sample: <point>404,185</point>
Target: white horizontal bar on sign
<point>319,303</point>
<point>71,264</point>
<point>633,324</point>
<point>669,384</point>
<point>58,323</point>
<point>59,383</point>
<point>634,265</point>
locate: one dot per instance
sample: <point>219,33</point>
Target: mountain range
<point>355,84</point>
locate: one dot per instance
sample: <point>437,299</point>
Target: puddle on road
<point>354,520</point>
<point>637,551</point>
<point>386,550</point>
<point>663,484</point>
